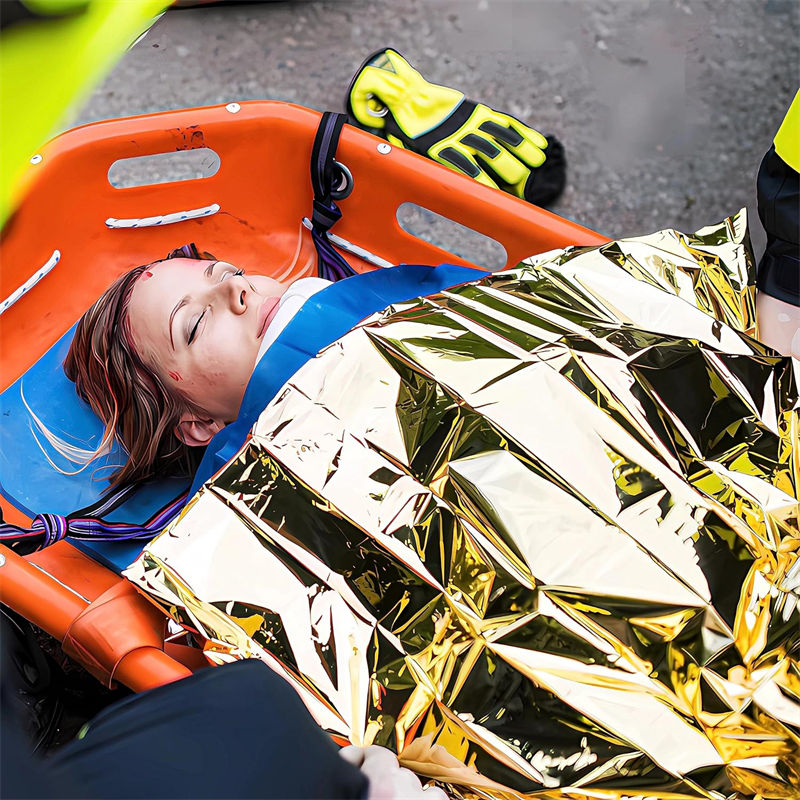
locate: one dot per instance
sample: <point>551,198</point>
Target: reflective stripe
<point>787,139</point>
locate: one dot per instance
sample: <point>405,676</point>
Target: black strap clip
<point>331,181</point>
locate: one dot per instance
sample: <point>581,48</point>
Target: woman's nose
<point>237,294</point>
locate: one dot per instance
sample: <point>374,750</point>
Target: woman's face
<point>199,325</point>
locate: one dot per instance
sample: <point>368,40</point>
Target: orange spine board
<point>263,191</point>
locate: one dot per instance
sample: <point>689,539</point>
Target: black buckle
<point>330,180</point>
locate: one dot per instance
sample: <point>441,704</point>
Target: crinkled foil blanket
<point>537,533</point>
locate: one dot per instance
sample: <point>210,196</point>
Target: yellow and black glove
<point>388,97</point>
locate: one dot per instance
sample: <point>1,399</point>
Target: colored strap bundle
<point>87,525</point>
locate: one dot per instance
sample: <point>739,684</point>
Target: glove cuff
<point>348,106</point>
<point>387,79</point>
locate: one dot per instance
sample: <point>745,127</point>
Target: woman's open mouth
<point>266,313</point>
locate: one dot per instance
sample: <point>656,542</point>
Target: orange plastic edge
<point>92,631</point>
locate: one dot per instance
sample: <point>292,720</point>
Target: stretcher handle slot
<point>168,167</point>
<point>452,236</point>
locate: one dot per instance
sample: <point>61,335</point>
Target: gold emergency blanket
<point>537,533</point>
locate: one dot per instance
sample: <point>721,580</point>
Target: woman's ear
<point>196,431</point>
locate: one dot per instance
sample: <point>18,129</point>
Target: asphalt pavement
<point>665,107</point>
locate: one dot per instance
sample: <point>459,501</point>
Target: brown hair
<point>131,400</point>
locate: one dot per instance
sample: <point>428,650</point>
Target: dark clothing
<point>237,731</point>
<point>779,209</point>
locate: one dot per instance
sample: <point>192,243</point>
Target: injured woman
<point>535,531</point>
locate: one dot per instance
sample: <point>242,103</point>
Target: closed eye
<point>225,275</point>
<point>230,274</point>
<point>193,332</point>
